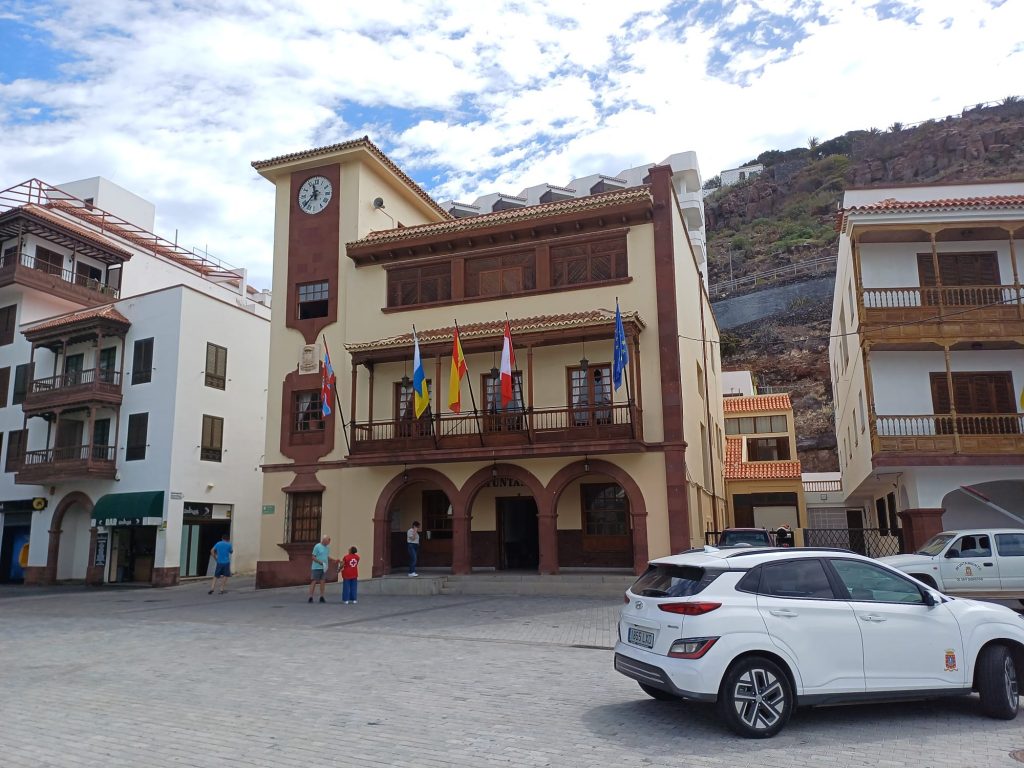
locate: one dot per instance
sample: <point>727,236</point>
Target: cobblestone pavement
<point>175,677</point>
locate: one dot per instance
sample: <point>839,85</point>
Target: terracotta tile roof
<point>595,317</point>
<point>961,203</point>
<point>755,403</point>
<point>106,312</point>
<point>737,469</point>
<point>509,215</point>
<point>372,148</point>
<point>69,226</point>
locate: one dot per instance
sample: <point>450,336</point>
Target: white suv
<point>762,631</point>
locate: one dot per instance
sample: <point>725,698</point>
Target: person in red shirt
<point>350,576</point>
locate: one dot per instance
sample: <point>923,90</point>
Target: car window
<point>972,545</point>
<point>935,544</point>
<point>869,583</point>
<point>673,581</point>
<point>796,578</point>
<point>744,537</point>
<point>1010,544</point>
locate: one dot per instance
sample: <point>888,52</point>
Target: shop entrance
<point>132,551</point>
<point>197,539</point>
<point>518,539</point>
<point>14,547</point>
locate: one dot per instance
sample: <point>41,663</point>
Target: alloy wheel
<point>760,698</point>
<point>1010,680</point>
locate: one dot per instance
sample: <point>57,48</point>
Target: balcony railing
<point>987,433</point>
<point>823,486</point>
<point>92,377</point>
<point>103,384</point>
<point>947,296</point>
<point>10,264</point>
<point>540,425</point>
<point>67,462</point>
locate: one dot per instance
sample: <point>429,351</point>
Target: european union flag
<point>621,358</point>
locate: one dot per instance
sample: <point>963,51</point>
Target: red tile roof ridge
<point>737,469</point>
<point>981,201</point>
<point>755,403</point>
<point>106,312</point>
<point>97,238</point>
<point>509,215</point>
<point>372,148</point>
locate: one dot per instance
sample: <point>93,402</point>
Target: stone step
<point>403,585</point>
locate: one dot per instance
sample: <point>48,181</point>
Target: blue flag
<point>621,358</point>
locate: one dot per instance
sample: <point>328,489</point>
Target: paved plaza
<point>174,677</point>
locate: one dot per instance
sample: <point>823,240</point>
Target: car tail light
<point>691,647</point>
<point>689,609</point>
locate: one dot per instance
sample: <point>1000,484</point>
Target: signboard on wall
<point>268,509</point>
<point>196,509</point>
<point>24,505</point>
<point>101,549</point>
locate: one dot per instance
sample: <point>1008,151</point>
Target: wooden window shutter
<point>940,393</point>
<point>926,270</point>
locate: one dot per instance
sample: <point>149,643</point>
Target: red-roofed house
<point>762,473</point>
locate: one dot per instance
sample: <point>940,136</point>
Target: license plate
<point>640,637</point>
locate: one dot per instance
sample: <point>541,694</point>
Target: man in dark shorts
<point>222,551</point>
<point>321,564</point>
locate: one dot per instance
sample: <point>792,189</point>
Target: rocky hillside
<point>787,215</point>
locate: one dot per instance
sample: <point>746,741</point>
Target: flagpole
<point>337,402</point>
<point>472,396</point>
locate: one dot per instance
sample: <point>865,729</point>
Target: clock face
<point>314,194</point>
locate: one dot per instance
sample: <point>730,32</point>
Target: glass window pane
<point>1010,544</point>
<point>747,425</point>
<point>796,578</point>
<point>764,424</point>
<point>779,424</point>
<point>732,426</point>
<point>869,583</point>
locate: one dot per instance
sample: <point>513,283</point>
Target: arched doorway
<point>601,517</point>
<point>509,520</point>
<point>428,497</point>
<point>67,556</point>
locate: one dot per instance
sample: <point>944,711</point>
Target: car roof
<point>979,531</point>
<point>758,530</point>
<point>735,559</point>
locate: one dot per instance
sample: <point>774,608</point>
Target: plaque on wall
<point>101,549</point>
<point>309,359</point>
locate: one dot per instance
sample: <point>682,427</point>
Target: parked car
<point>975,563</point>
<point>762,631</point>
<point>745,537</point>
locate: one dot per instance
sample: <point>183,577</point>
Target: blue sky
<point>173,98</point>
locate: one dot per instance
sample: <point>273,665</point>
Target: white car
<point>977,563</point>
<point>761,631</point>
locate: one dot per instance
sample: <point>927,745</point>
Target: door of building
<point>518,539</point>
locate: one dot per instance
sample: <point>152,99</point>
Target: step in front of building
<point>596,584</point>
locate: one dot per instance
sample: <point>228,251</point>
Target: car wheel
<point>756,698</point>
<point>657,693</point>
<point>997,682</point>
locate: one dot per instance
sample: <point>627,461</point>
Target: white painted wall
<point>114,199</point>
<point>894,265</point>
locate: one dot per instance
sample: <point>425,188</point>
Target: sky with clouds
<point>173,98</point>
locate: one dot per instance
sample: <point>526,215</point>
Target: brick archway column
<point>547,530</point>
<point>919,525</point>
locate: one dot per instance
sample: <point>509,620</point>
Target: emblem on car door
<point>639,605</point>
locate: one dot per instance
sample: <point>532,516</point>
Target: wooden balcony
<point>921,317</point>
<point>99,386</point>
<point>947,435</point>
<point>34,273</point>
<point>78,462</point>
<point>539,431</point>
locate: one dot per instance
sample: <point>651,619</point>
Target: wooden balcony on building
<point>948,435</point>
<point>33,273</point>
<point>78,462</point>
<point>99,386</point>
<point>600,428</point>
<point>922,317</point>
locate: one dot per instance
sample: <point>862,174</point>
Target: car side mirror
<point>952,554</point>
<point>929,598</point>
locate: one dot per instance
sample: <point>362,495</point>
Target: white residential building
<point>927,357</point>
<point>132,393</point>
<point>732,176</point>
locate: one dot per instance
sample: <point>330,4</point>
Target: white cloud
<point>173,99</point>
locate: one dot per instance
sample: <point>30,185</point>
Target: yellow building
<point>569,471</point>
<point>762,473</point>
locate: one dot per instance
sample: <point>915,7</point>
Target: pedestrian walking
<point>412,538</point>
<point>350,576</point>
<point>321,564</point>
<point>222,552</point>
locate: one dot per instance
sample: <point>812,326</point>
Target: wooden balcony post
<point>369,415</point>
<point>352,407</point>
<point>437,398</point>
<point>935,266</point>
<point>952,401</point>
<point>1016,275</point>
<point>858,280</point>
<point>529,392</point>
<point>96,357</point>
<point>869,394</point>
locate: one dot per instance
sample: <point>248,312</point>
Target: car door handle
<point>987,565</point>
<point>783,612</point>
<point>872,617</point>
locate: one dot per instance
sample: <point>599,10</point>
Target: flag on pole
<point>419,379</point>
<point>459,370</point>
<point>508,362</point>
<point>327,380</point>
<point>621,355</point>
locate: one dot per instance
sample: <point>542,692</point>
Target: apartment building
<point>564,470</point>
<point>132,425</point>
<point>927,358</point>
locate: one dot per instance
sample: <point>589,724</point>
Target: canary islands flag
<point>419,379</point>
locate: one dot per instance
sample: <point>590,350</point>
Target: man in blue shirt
<point>222,551</point>
<point>321,564</point>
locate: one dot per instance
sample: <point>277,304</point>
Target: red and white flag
<point>508,362</point>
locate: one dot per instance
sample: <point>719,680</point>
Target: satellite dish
<point>378,202</point>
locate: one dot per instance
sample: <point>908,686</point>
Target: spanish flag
<point>419,378</point>
<point>459,370</point>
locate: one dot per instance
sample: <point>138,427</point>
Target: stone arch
<point>548,541</point>
<point>637,504</point>
<point>381,513</point>
<point>53,548</point>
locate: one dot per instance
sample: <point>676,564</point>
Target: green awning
<point>141,508</point>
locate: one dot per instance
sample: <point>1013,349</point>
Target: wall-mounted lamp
<point>494,471</point>
<point>583,360</point>
<point>586,463</point>
<point>495,374</point>
<point>405,474</point>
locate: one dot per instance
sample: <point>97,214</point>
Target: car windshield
<point>673,581</point>
<point>935,544</point>
<point>732,538</point>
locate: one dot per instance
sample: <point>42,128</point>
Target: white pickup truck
<point>985,563</point>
